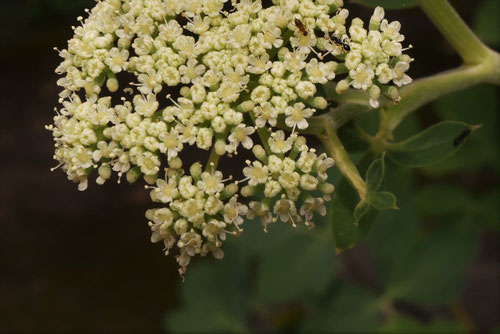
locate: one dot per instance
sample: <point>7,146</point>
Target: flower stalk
<point>346,166</point>
<point>458,34</point>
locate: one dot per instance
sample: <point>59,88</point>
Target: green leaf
<point>486,22</point>
<point>347,231</point>
<point>489,213</point>
<point>441,199</point>
<point>404,324</point>
<point>432,145</point>
<point>350,136</point>
<point>214,296</point>
<point>389,4</point>
<point>375,175</point>
<point>482,148</point>
<point>360,210</point>
<point>350,310</point>
<point>433,272</point>
<point>382,200</point>
<point>298,264</point>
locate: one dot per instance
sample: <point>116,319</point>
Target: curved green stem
<point>336,150</point>
<point>429,89</point>
<point>458,34</point>
<point>212,159</point>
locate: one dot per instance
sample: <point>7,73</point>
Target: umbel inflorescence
<point>144,79</point>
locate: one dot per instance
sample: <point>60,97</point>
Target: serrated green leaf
<point>375,175</point>
<point>382,200</point>
<point>360,210</point>
<point>389,4</point>
<point>432,145</point>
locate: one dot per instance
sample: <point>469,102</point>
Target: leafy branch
<point>481,65</point>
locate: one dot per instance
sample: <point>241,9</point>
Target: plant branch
<point>343,162</point>
<point>429,89</point>
<point>454,29</point>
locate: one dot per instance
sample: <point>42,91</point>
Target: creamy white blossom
<point>138,87</point>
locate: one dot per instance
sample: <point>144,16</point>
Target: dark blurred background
<point>74,260</point>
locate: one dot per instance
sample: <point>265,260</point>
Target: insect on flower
<point>301,26</point>
<point>345,46</point>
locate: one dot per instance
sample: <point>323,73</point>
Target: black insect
<point>301,27</point>
<point>461,137</point>
<point>345,46</point>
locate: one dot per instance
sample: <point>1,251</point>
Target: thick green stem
<point>213,159</point>
<point>458,34</point>
<point>343,162</point>
<point>429,89</point>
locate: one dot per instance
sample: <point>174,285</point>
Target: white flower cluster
<point>143,79</point>
<point>200,211</point>
<point>290,172</point>
<point>376,58</point>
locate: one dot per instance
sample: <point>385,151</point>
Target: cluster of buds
<point>143,79</point>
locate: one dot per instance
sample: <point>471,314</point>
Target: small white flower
<point>400,76</point>
<point>295,61</point>
<point>240,135</point>
<point>259,64</point>
<point>265,113</point>
<point>278,144</point>
<point>233,212</point>
<point>260,94</point>
<point>211,183</point>
<point>165,190</point>
<point>192,71</point>
<point>261,210</point>
<point>171,143</point>
<point>286,211</point>
<point>297,116</point>
<point>362,77</point>
<point>145,106</point>
<point>311,205</point>
<point>256,173</point>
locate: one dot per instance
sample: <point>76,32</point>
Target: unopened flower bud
<point>220,147</point>
<point>327,188</point>
<point>391,93</point>
<point>247,191</point>
<point>259,152</point>
<point>318,102</point>
<point>229,190</point>
<point>112,85</point>
<point>175,163</point>
<point>342,86</point>
<point>245,106</point>
<point>133,174</point>
<point>376,18</point>
<point>105,171</point>
<point>196,171</point>
<point>150,179</point>
<point>185,92</point>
